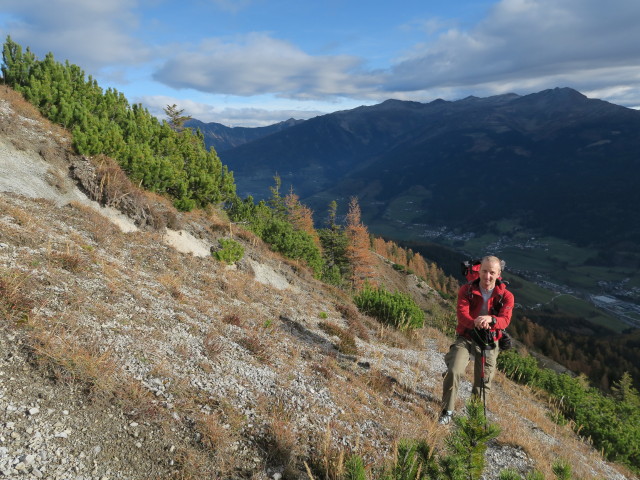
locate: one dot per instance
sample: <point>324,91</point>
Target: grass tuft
<point>347,343</point>
<point>14,303</point>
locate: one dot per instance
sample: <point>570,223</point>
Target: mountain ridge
<point>538,145</point>
<point>223,138</point>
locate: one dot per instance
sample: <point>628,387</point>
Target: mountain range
<point>552,163</point>
<point>224,138</point>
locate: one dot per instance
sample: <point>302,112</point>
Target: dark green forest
<point>603,357</point>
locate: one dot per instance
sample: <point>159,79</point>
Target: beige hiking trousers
<point>457,360</point>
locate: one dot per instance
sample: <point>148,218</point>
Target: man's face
<point>489,273</point>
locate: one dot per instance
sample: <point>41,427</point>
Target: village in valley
<point>619,298</point>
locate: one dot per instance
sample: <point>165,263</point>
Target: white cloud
<point>229,116</point>
<point>259,64</point>
<point>520,46</point>
<point>90,33</point>
<point>530,44</point>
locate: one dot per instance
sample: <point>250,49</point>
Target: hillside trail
<point>129,365</point>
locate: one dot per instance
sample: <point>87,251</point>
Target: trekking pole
<point>484,392</point>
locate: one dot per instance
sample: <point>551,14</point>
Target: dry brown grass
<point>173,284</point>
<point>233,319</point>
<point>192,463</point>
<point>20,216</point>
<point>326,369</point>
<point>26,109</point>
<point>71,262</point>
<point>256,346</point>
<point>15,304</point>
<point>138,402</point>
<point>525,422</point>
<point>390,336</point>
<point>279,437</point>
<point>54,177</point>
<point>97,225</point>
<point>355,320</point>
<point>18,104</point>
<point>347,344</point>
<point>330,458</point>
<point>213,435</point>
<point>62,355</point>
<point>380,381</point>
<point>212,345</point>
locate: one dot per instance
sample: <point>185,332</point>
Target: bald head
<point>490,271</point>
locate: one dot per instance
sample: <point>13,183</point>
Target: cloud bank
<point>518,46</point>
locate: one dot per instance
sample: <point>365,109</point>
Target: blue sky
<point>257,62</point>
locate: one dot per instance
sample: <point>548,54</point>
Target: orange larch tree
<point>358,248</point>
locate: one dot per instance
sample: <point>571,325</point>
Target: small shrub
<point>255,346</point>
<point>511,474</point>
<point>562,469</point>
<point>212,345</point>
<point>323,315</point>
<point>232,319</point>
<point>14,304</point>
<point>354,469</point>
<point>68,261</point>
<point>229,252</point>
<point>347,343</point>
<point>397,309</point>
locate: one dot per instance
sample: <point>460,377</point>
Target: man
<point>484,307</point>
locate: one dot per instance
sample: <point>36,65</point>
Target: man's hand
<point>483,321</point>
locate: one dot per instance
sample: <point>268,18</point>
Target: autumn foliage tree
<point>358,247</point>
<point>413,262</point>
<point>300,216</point>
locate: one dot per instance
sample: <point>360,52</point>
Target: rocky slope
<point>128,352</point>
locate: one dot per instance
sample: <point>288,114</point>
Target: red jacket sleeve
<point>465,320</point>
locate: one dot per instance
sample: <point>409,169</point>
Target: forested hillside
<point>153,154</point>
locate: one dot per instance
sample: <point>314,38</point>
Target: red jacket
<point>470,303</point>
